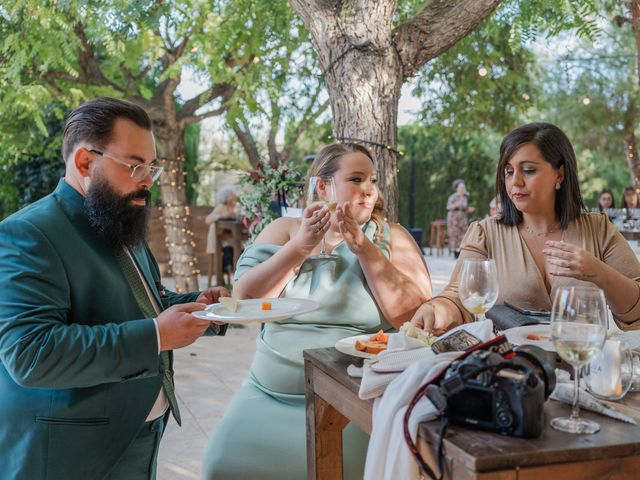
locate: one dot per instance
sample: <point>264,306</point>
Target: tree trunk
<point>364,101</point>
<point>631,151</point>
<point>179,239</point>
<point>365,61</point>
<point>630,143</point>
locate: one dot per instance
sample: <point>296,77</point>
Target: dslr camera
<point>490,392</point>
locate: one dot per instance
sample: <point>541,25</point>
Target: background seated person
<point>543,239</point>
<point>226,209</point>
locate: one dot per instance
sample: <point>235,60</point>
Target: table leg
<point>218,260</point>
<point>324,449</point>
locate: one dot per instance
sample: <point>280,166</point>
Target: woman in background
<point>606,200</point>
<point>629,198</point>
<point>457,222</point>
<point>377,282</point>
<point>225,209</point>
<point>543,239</point>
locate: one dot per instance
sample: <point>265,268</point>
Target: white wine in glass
<point>478,287</point>
<point>322,190</point>
<point>578,331</point>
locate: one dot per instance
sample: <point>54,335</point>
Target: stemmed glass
<point>322,190</point>
<point>578,331</point>
<point>478,288</point>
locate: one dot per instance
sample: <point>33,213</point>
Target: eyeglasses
<point>139,171</point>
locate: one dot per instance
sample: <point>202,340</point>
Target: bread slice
<point>373,348</point>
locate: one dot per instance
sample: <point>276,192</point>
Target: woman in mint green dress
<point>378,281</point>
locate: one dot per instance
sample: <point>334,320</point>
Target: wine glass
<point>578,331</point>
<point>322,190</point>
<point>478,288</point>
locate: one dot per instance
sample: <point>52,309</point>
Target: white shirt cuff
<point>155,322</point>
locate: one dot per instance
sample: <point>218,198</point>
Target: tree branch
<point>308,118</point>
<point>184,122</point>
<point>272,149</point>
<point>223,90</point>
<point>436,28</point>
<point>248,144</point>
<point>89,63</point>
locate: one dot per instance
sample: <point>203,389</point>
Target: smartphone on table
<point>531,313</point>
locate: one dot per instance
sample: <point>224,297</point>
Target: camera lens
<point>537,357</point>
<point>504,418</point>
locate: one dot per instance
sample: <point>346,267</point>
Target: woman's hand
<point>313,226</point>
<point>212,295</point>
<point>425,318</point>
<point>571,261</point>
<point>353,235</point>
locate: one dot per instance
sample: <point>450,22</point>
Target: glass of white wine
<point>322,190</point>
<point>578,331</point>
<point>478,288</point>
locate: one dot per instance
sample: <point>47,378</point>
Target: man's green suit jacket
<point>79,365</point>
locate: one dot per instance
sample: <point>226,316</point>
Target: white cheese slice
<point>229,303</point>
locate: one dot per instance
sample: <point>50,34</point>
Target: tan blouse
<point>521,283</point>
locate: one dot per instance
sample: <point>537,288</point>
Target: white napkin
<point>564,393</point>
<point>403,351</point>
<point>388,457</point>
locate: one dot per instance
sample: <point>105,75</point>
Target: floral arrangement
<point>267,183</point>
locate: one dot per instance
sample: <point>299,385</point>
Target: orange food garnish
<point>380,337</point>
<point>266,306</point>
<point>374,345</point>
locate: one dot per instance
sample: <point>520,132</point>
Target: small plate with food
<point>255,310</point>
<point>363,346</point>
<point>538,335</point>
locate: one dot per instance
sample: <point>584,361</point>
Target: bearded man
<point>86,329</point>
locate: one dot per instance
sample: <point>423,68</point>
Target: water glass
<point>478,287</point>
<point>610,375</point>
<point>578,332</point>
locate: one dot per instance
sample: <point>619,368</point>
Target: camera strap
<point>432,392</point>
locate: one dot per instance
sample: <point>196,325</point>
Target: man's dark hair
<point>93,121</point>
<point>556,149</point>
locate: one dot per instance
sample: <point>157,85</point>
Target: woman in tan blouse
<point>544,238</point>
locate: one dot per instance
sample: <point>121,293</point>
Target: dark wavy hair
<point>623,202</point>
<point>93,122</point>
<point>327,163</point>
<point>556,149</point>
<point>613,198</point>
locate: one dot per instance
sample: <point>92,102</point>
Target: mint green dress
<point>262,434</point>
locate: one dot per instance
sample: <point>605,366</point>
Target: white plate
<point>518,336</point>
<point>250,311</point>
<point>348,346</point>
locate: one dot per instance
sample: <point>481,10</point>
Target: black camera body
<point>489,392</point>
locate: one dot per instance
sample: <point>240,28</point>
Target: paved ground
<point>208,373</point>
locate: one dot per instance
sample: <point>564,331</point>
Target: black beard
<point>116,220</point>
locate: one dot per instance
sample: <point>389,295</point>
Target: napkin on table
<point>403,351</point>
<point>388,457</point>
<point>564,393</point>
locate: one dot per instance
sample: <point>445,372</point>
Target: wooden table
<point>631,234</point>
<point>332,402</point>
<point>437,236</point>
<point>236,229</point>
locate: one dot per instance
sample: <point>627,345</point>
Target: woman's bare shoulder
<point>279,231</point>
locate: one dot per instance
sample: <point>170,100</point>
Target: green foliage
<point>34,171</point>
<point>591,93</point>
<point>441,156</point>
<point>267,183</point>
<point>191,143</point>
